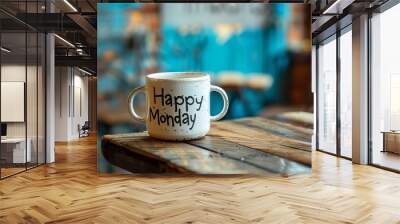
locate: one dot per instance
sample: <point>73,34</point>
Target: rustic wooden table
<point>244,146</point>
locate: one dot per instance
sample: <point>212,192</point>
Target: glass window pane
<point>32,87</point>
<point>327,97</point>
<point>22,88</point>
<point>13,86</point>
<point>346,94</point>
<point>385,84</point>
<point>31,97</point>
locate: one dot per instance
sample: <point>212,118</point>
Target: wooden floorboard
<point>71,191</point>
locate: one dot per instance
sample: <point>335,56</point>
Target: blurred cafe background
<point>259,53</point>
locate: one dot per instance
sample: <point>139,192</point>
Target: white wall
<point>80,105</point>
<point>12,73</point>
<point>71,93</point>
<point>33,126</point>
<point>62,81</point>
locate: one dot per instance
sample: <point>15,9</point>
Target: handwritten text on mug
<point>181,116</point>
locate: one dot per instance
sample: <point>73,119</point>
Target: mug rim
<point>179,76</point>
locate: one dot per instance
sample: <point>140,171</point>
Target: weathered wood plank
<point>299,119</point>
<point>243,132</point>
<point>257,158</point>
<point>175,157</point>
<point>286,131</point>
<point>243,146</point>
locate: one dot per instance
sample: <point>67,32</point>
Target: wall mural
<point>246,49</point>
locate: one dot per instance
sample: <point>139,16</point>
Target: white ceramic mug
<point>178,105</point>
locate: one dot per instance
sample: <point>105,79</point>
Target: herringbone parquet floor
<point>71,191</point>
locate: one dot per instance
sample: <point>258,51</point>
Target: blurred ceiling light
<point>5,50</point>
<point>78,44</point>
<point>84,71</point>
<point>79,51</point>
<point>65,41</point>
<point>70,5</point>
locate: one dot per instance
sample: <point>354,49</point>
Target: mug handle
<point>226,103</point>
<point>131,97</point>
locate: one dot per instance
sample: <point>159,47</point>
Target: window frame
<point>346,27</point>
